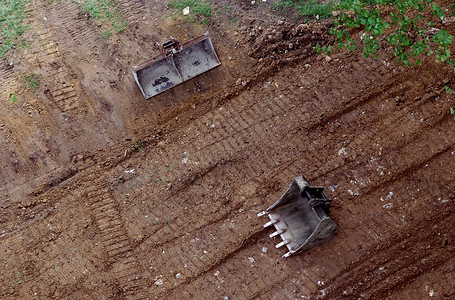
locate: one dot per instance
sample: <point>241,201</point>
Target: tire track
<point>72,21</point>
<point>131,10</point>
<point>116,242</point>
<point>46,54</point>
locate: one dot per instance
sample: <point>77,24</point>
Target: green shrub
<point>403,25</point>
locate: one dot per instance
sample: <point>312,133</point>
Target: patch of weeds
<point>448,89</point>
<point>12,98</point>
<point>106,34</point>
<point>167,222</point>
<point>200,8</point>
<point>32,81</point>
<point>19,277</point>
<point>12,16</point>
<point>452,111</point>
<point>305,8</point>
<point>138,146</point>
<point>117,181</point>
<point>164,223</point>
<point>108,14</point>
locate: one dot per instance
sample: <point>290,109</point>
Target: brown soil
<point>106,195</point>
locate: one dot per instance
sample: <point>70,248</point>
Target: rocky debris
<point>282,38</point>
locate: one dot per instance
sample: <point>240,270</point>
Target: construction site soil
<point>106,195</point>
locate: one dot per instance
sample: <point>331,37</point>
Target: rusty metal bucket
<point>301,217</point>
<point>176,66</point>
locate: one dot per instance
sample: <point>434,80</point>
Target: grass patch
<point>107,13</point>
<point>199,9</point>
<point>12,16</point>
<point>32,81</point>
<point>305,8</point>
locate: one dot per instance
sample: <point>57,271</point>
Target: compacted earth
<point>106,195</point>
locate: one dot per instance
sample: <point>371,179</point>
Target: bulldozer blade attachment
<point>178,65</point>
<point>301,217</point>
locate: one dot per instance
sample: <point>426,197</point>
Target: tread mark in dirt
<point>117,244</point>
<point>46,50</point>
<point>65,11</point>
<point>131,10</point>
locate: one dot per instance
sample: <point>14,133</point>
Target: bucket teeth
<point>287,255</point>
<point>262,213</point>
<point>270,223</point>
<point>285,242</point>
<point>278,232</point>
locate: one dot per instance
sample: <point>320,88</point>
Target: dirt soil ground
<point>106,195</point>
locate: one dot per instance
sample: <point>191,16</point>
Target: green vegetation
<point>405,26</point>
<point>32,81</point>
<point>167,222</point>
<point>305,8</point>
<point>138,146</point>
<point>12,98</point>
<point>199,9</point>
<point>19,277</point>
<point>108,14</point>
<point>116,182</point>
<point>12,16</point>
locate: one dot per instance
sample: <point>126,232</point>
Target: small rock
<point>217,273</point>
<point>186,11</point>
<point>252,261</point>
<point>291,46</point>
<point>280,22</point>
<point>178,275</point>
<point>265,249</point>
<point>328,58</point>
<point>159,282</point>
<point>253,2</point>
<point>336,13</point>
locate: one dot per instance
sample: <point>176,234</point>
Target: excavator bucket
<point>176,65</point>
<point>301,217</point>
